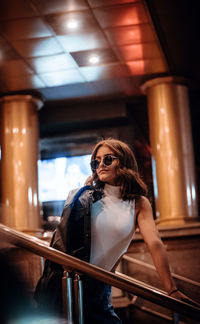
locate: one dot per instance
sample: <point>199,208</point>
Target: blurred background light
<point>58,176</point>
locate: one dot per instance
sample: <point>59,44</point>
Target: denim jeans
<point>97,303</point>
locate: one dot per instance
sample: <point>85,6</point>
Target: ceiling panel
<point>72,22</point>
<point>110,87</point>
<point>52,6</point>
<point>25,28</point>
<point>11,9</point>
<point>58,78</point>
<point>130,34</point>
<point>103,3</point>
<point>142,67</point>
<point>14,68</point>
<point>69,91</point>
<point>110,71</point>
<point>37,47</point>
<point>52,63</point>
<point>24,82</point>
<point>114,16</point>
<point>84,58</point>
<point>137,51</point>
<point>84,41</point>
<point>7,52</point>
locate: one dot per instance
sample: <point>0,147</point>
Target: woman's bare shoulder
<point>142,203</point>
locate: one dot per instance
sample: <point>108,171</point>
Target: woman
<point>98,223</point>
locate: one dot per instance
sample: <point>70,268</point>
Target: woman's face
<point>106,173</point>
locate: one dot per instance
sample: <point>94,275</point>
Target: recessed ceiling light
<point>72,24</point>
<point>94,59</point>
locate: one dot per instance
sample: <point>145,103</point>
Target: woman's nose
<point>101,162</point>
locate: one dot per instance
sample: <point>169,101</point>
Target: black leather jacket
<point>72,236</point>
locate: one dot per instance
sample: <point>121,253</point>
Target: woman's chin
<point>103,178</point>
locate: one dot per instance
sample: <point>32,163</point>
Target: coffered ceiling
<point>69,49</point>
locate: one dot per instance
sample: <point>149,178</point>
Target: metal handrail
<point>149,266</point>
<point>120,281</point>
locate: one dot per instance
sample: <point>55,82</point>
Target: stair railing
<point>78,266</point>
<point>151,267</point>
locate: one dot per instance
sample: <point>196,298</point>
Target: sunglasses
<point>107,160</point>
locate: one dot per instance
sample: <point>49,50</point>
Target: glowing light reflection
<point>157,214</point>
<point>72,24</point>
<point>193,192</point>
<point>30,195</point>
<point>189,196</point>
<point>15,130</point>
<point>94,59</point>
<point>162,110</point>
<point>35,200</point>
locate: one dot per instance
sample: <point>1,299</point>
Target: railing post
<point>176,318</point>
<point>80,286</point>
<point>78,296</point>
<point>67,297</point>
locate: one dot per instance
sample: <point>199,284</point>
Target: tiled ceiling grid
<point>77,48</point>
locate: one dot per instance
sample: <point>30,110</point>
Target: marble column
<point>19,155</point>
<point>172,151</point>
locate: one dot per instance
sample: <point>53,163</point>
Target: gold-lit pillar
<point>172,151</point>
<point>19,155</point>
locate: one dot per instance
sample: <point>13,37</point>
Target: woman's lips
<point>102,171</point>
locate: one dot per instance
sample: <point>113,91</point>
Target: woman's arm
<point>156,247</point>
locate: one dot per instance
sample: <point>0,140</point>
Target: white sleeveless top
<point>112,227</point>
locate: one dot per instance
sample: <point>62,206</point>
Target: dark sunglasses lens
<point>108,160</point>
<point>94,164</point>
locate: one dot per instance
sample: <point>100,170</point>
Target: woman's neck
<point>112,190</point>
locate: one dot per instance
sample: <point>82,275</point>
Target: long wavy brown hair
<point>128,177</point>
